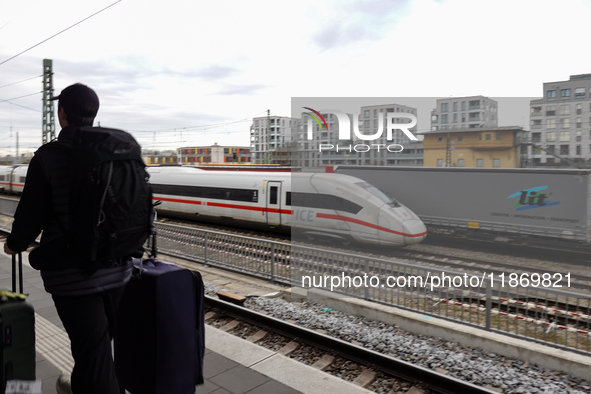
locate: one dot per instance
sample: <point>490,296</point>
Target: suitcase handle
<point>20,272</point>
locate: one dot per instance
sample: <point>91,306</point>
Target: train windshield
<point>385,197</point>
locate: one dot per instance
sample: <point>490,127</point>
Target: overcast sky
<point>180,73</point>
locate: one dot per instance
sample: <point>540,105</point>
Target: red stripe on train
<point>366,224</point>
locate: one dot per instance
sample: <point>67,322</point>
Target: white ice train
<point>336,206</point>
<point>12,178</point>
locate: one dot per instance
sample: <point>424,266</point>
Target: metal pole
<point>205,250</point>
<point>272,263</point>
<point>48,130</point>
<point>488,306</point>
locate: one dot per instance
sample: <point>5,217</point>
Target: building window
<point>463,105</point>
<point>565,136</point>
<point>550,110</point>
<point>488,137</point>
<point>444,118</point>
<point>455,118</point>
<point>498,136</point>
<point>579,135</point>
<point>580,92</point>
<point>536,137</point>
<point>551,94</point>
<point>550,136</point>
<point>443,107</point>
<point>375,113</point>
<point>565,93</point>
<point>550,149</point>
<point>455,106</point>
<point>439,162</point>
<point>565,109</point>
<point>460,138</point>
<point>496,162</point>
<point>474,116</point>
<point>579,123</point>
<point>579,108</point>
<point>367,113</point>
<point>474,104</point>
<point>550,123</point>
<point>534,111</point>
<point>479,137</point>
<point>479,163</point>
<point>460,162</point>
<point>366,124</point>
<point>463,118</point>
<point>564,151</point>
<point>578,150</point>
<point>565,123</point>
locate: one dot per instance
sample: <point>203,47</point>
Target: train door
<point>11,179</point>
<point>273,203</point>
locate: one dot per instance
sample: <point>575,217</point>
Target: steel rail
<point>435,381</point>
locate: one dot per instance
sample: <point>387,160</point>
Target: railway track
<point>332,354</point>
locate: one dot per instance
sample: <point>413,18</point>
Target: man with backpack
<point>88,192</point>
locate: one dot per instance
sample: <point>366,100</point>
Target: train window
<point>288,198</point>
<point>273,196</point>
<point>385,197</point>
<point>2,177</point>
<point>325,201</point>
<point>218,193</point>
<point>22,179</point>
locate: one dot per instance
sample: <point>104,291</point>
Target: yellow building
<point>494,147</point>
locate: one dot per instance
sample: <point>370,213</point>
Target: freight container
<point>512,205</point>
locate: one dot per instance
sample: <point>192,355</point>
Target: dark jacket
<point>45,206</point>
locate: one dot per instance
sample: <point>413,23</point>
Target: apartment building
<point>464,113</point>
<point>560,123</point>
<point>271,133</point>
<point>323,146</point>
<point>213,154</point>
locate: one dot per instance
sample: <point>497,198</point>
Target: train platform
<point>231,365</point>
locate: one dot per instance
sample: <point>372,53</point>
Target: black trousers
<point>89,321</point>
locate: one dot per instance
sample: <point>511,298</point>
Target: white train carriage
<point>314,204</point>
<point>12,178</point>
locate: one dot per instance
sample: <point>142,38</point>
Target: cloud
<point>360,20</point>
<point>215,72</point>
<point>242,89</point>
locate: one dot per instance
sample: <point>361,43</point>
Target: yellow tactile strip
<point>53,344</point>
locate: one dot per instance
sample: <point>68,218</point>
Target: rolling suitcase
<point>159,342</point>
<point>17,325</point>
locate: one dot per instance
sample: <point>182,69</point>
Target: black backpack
<point>111,199</point>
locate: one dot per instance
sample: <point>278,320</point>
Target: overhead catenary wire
<point>18,105</point>
<point>57,34</point>
<point>24,80</point>
<point>15,98</point>
<point>205,127</point>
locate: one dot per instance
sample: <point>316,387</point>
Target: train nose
<point>414,231</point>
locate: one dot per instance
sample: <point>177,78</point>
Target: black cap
<point>79,100</point>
